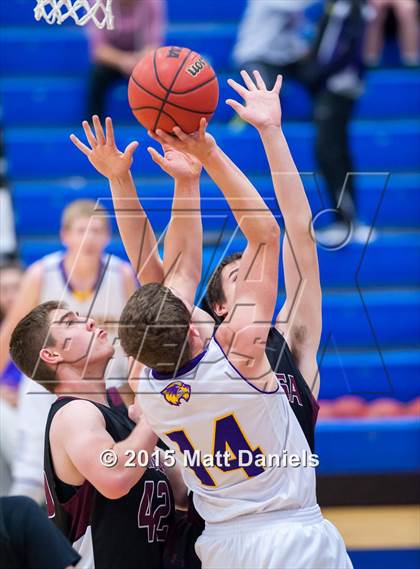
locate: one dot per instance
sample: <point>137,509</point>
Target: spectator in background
<point>333,72</point>
<point>10,278</point>
<point>407,15</point>
<point>92,283</point>
<point>271,39</point>
<point>138,28</point>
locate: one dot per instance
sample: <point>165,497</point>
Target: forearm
<point>141,438</point>
<point>287,182</point>
<point>250,211</point>
<point>136,231</point>
<point>184,237</point>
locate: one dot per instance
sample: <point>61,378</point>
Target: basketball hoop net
<point>82,12</point>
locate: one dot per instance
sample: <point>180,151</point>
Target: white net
<point>82,11</point>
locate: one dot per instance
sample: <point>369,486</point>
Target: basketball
<point>173,86</point>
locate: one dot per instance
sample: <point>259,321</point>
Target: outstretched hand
<point>262,106</point>
<point>103,153</point>
<point>179,165</point>
<point>199,144</point>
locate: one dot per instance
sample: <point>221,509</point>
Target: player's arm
<point>129,280</point>
<point>135,229</point>
<point>182,259</point>
<point>80,429</point>
<point>300,318</point>
<point>27,299</point>
<point>244,332</point>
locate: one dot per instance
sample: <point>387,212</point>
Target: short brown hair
<point>154,328</point>
<point>215,293</point>
<point>83,208</point>
<point>30,336</point>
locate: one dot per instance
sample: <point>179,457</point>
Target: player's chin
<point>103,351</point>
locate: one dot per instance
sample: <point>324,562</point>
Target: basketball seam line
<point>179,92</point>
<point>160,99</point>
<point>196,87</point>
<point>163,113</point>
<point>171,85</point>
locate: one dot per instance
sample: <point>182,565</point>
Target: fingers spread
<point>82,147</point>
<point>99,131</point>
<point>156,157</point>
<point>259,80</point>
<point>247,80</point>
<point>89,134</point>
<point>110,137</point>
<point>278,84</point>
<point>235,105</point>
<point>131,148</point>
<point>237,87</point>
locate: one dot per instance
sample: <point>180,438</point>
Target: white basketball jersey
<point>210,408</point>
<point>105,304</point>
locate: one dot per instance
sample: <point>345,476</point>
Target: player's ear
<point>193,332</point>
<point>50,356</point>
<point>64,236</point>
<point>220,309</point>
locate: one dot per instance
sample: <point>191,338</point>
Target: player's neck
<point>197,346</point>
<point>81,267</point>
<point>86,383</point>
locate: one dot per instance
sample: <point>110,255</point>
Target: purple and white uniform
<point>258,511</point>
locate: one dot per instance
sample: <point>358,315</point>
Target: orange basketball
<point>173,86</point>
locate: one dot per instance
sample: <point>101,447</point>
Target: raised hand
<point>177,164</point>
<point>103,153</point>
<point>262,107</point>
<point>199,144</point>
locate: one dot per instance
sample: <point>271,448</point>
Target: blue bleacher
<point>392,200</point>
<point>369,446</point>
<point>375,148</point>
<point>49,101</point>
<point>371,327</point>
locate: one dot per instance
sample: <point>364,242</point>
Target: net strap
<point>82,12</point>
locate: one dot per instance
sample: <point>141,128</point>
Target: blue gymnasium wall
<point>371,292</point>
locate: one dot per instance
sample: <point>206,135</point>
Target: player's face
<point>78,340</point>
<point>228,277</point>
<point>86,236</point>
<point>9,288</point>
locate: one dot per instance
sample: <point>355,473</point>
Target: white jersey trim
<point>249,382</point>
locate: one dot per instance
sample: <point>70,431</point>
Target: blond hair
<point>83,208</point>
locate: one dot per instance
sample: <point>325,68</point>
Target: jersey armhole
<point>291,359</point>
<point>249,382</point>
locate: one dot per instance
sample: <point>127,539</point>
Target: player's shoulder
<point>75,414</point>
<point>115,263</point>
<point>52,260</point>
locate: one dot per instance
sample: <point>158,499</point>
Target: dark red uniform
<point>129,532</point>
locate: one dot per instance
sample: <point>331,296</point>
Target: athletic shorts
<point>298,539</point>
